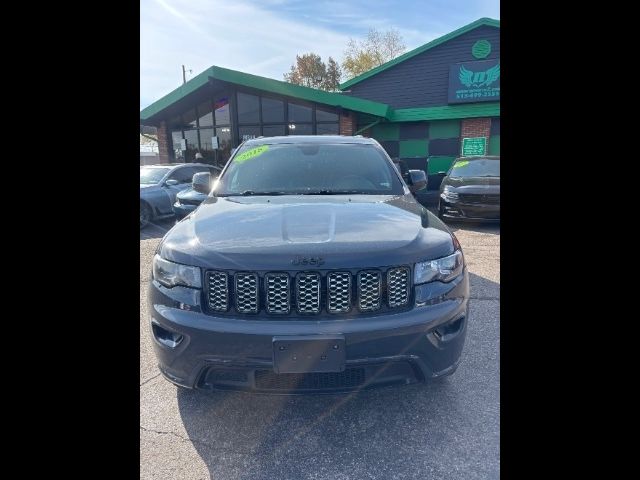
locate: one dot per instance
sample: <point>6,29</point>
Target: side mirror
<point>201,182</point>
<point>417,180</point>
<point>171,182</point>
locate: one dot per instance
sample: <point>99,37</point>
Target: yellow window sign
<point>249,154</point>
<point>461,164</point>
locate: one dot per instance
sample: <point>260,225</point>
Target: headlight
<point>449,194</point>
<point>443,269</point>
<point>171,274</point>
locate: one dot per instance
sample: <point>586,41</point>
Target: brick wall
<point>164,141</point>
<point>476,127</point>
<point>347,123</point>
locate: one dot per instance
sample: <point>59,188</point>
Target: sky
<point>263,37</point>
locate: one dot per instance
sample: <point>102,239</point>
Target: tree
<point>377,48</point>
<point>310,71</point>
<point>333,76</point>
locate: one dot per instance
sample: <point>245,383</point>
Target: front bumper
<point>469,211</point>
<point>215,352</point>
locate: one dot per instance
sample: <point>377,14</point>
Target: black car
<point>471,189</point>
<point>309,268</point>
<point>190,198</point>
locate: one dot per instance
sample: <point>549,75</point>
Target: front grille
<point>218,291</point>
<point>350,378</point>
<point>277,285</point>
<point>480,199</point>
<point>339,292</point>
<point>398,286</point>
<point>369,290</point>
<point>247,292</point>
<point>308,293</point>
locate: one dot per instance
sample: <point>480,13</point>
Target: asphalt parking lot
<point>447,430</point>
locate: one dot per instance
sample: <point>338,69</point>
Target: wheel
<point>146,215</point>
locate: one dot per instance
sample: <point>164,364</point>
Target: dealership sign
<point>474,146</point>
<point>474,81</point>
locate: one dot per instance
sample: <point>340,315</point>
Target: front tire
<point>146,215</point>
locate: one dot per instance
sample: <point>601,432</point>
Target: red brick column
<point>475,127</point>
<point>163,143</point>
<point>347,123</point>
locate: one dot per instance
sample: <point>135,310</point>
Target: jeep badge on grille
<point>307,261</point>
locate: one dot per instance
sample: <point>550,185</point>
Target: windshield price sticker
<point>249,154</point>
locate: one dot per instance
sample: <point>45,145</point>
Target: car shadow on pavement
<point>157,229</point>
<point>443,429</point>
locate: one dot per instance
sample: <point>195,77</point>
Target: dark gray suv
<point>309,268</point>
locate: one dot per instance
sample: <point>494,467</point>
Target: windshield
<point>323,169</point>
<point>149,176</point>
<point>480,167</point>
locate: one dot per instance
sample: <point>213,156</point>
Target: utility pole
<point>184,75</point>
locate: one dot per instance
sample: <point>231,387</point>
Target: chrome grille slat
<point>277,286</point>
<point>218,294</point>
<point>339,292</point>
<point>308,293</point>
<point>397,286</point>
<point>246,292</point>
<point>369,290</point>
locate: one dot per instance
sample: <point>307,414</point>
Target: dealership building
<point>428,106</point>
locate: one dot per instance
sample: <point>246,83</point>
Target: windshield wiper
<point>248,193</point>
<point>334,192</point>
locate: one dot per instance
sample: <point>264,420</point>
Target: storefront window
<point>273,131</point>
<point>189,119</point>
<point>247,133</point>
<point>323,116</point>
<point>224,139</point>
<point>205,115</point>
<point>327,129</point>
<point>248,108</point>
<point>222,111</point>
<point>299,113</point>
<point>206,148</point>
<point>272,110</point>
<point>300,129</point>
<point>191,136</point>
<point>176,139</point>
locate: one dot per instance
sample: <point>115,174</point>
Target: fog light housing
<point>166,337</point>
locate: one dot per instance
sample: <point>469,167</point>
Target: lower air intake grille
<point>350,378</point>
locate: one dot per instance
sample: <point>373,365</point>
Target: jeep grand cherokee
<point>309,268</point>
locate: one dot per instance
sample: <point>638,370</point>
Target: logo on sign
<point>479,79</point>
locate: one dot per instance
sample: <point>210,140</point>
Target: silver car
<point>159,185</point>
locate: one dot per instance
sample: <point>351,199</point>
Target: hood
<point>146,186</point>
<point>262,233</point>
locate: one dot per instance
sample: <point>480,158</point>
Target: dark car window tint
<point>183,175</point>
<point>301,168</point>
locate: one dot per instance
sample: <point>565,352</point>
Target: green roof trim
<point>268,85</point>
<point>416,51</point>
<point>447,112</point>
